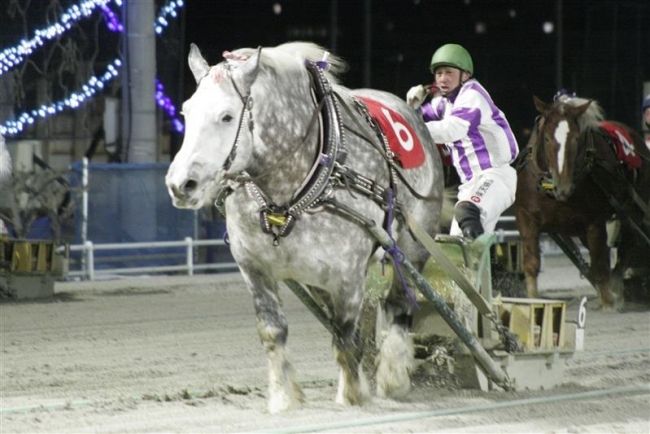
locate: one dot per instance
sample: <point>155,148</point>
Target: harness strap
<point>386,155</point>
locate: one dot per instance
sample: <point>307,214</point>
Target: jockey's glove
<point>416,96</point>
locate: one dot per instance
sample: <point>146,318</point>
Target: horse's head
<point>559,130</point>
<point>217,121</point>
<point>247,114</point>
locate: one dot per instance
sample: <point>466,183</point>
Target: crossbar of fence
<point>90,272</point>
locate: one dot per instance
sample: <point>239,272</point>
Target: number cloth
<point>400,135</point>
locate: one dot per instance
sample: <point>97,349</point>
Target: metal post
<point>367,42</point>
<point>84,209</point>
<point>334,19</point>
<point>84,200</point>
<point>90,255</point>
<point>139,219</point>
<point>189,250</point>
<point>140,137</point>
<point>613,111</point>
<point>559,45</point>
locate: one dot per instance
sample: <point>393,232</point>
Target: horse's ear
<point>540,105</point>
<point>249,68</point>
<point>577,111</point>
<point>197,63</point>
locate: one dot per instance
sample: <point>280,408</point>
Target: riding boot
<point>468,217</point>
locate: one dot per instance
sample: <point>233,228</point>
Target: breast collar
<point>278,219</point>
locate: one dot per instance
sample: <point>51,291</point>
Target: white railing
<point>89,248</point>
<point>506,234</point>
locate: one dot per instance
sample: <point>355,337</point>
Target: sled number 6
<point>401,131</point>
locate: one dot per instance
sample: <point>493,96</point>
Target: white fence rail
<point>190,266</point>
<point>90,272</point>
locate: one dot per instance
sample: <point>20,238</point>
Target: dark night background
<point>606,44</point>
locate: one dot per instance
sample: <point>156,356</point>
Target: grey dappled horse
<point>260,130</point>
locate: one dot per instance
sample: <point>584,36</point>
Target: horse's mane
<point>284,57</point>
<point>591,118</point>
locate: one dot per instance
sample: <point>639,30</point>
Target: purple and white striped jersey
<point>473,128</point>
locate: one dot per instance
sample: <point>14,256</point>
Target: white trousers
<point>492,191</point>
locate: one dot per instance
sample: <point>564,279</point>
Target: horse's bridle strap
<point>247,107</point>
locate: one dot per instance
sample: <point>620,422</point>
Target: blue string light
<point>112,22</point>
<point>13,56</point>
<point>170,8</point>
<point>89,89</point>
<point>166,104</point>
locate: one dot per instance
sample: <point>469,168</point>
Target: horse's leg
<point>396,356</point>
<point>348,345</point>
<point>284,391</point>
<point>529,232</point>
<point>599,267</point>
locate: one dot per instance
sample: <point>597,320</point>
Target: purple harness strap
<point>396,254</point>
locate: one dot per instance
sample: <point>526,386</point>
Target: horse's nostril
<point>189,186</point>
<point>176,192</point>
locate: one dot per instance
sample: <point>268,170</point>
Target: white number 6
<point>401,132</point>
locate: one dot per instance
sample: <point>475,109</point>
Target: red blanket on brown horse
<point>575,179</point>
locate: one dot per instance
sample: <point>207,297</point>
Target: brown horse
<point>572,184</point>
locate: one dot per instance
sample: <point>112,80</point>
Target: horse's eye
<point>226,118</point>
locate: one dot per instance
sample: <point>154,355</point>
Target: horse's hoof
<point>284,401</point>
<point>396,362</point>
<point>352,394</point>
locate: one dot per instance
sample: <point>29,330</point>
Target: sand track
<point>179,354</point>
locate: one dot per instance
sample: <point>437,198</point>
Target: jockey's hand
<point>416,95</point>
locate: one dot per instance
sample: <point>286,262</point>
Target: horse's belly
<point>325,251</point>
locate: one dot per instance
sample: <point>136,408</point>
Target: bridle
<point>246,111</point>
<point>583,162</point>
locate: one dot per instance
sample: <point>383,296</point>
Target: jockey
<point>464,118</point>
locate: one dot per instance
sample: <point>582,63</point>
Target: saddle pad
<point>400,134</point>
<point>623,144</point>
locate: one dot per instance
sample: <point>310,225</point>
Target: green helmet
<point>452,55</point>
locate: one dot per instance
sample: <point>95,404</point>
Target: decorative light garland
<point>112,22</point>
<point>13,127</point>
<point>12,56</point>
<point>165,103</point>
<point>92,86</point>
<point>168,9</point>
